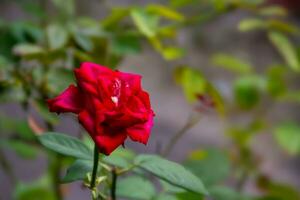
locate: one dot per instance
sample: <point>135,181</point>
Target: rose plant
<point>111,105</point>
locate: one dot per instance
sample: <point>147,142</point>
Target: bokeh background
<point>213,33</point>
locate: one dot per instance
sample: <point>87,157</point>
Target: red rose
<point>110,105</point>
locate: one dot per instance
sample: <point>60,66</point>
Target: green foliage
<point>288,137</point>
<point>78,171</point>
<point>231,63</point>
<point>65,145</point>
<point>57,36</point>
<point>286,49</point>
<point>203,162</point>
<point>170,172</point>
<point>37,190</point>
<point>135,187</point>
<point>120,157</point>
<point>146,23</point>
<point>25,150</point>
<point>192,81</point>
<point>247,91</point>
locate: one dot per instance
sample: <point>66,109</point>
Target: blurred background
<point>223,76</point>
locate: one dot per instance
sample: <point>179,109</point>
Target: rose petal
<point>88,74</point>
<point>108,142</point>
<point>131,83</point>
<point>88,122</point>
<point>141,132</point>
<point>68,101</point>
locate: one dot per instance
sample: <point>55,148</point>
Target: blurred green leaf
<point>172,53</point>
<point>170,172</point>
<point>28,50</point>
<point>116,15</point>
<point>211,165</point>
<point>247,91</point>
<point>231,63</point>
<point>165,12</point>
<point>126,43</point>
<point>57,36</point>
<point>165,197</point>
<point>37,190</point>
<point>189,196</point>
<point>20,127</point>
<point>252,24</point>
<point>276,83</point>
<point>135,187</point>
<point>288,137</point>
<point>182,3</point>
<point>83,41</point>
<point>58,80</point>
<point>286,49</point>
<point>26,151</point>
<point>66,145</point>
<point>66,7</point>
<point>225,193</point>
<point>277,191</point>
<point>146,23</point>
<point>273,10</point>
<point>78,171</point>
<point>192,81</point>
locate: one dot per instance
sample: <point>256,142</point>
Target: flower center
<point>116,91</point>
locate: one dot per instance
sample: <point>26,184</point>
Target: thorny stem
<point>95,167</point>
<point>191,122</point>
<point>114,184</point>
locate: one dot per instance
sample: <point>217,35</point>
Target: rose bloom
<point>111,105</point>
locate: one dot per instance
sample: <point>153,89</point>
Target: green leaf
<point>78,171</point>
<point>165,197</point>
<point>286,49</point>
<point>66,145</point>
<point>37,190</point>
<point>224,193</point>
<point>135,187</point>
<point>192,82</point>
<point>252,24</point>
<point>172,53</point>
<point>273,10</point>
<point>83,41</point>
<point>120,157</point>
<point>276,83</point>
<point>189,196</point>
<point>127,43</point>
<point>146,23</point>
<point>203,162</point>
<point>170,172</point>
<point>247,91</point>
<point>66,7</point>
<point>231,63</point>
<point>165,12</point>
<point>288,137</point>
<point>57,36</point>
<point>20,127</point>
<point>117,14</point>
<point>28,50</point>
<point>23,149</point>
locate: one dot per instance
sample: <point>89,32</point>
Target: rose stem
<point>114,184</point>
<point>95,167</point>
